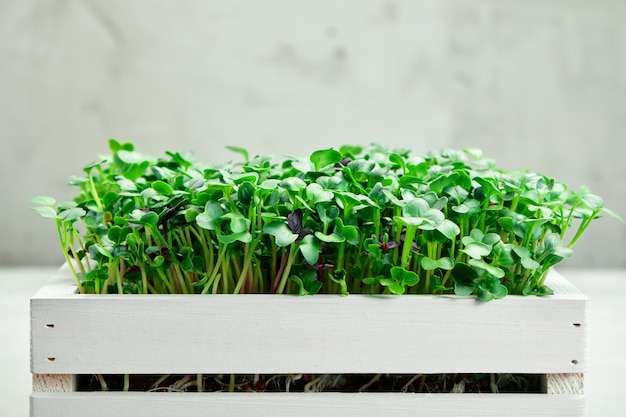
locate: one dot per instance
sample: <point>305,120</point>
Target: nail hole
<point>51,359</point>
<point>50,326</point>
<point>575,362</point>
<point>577,324</point>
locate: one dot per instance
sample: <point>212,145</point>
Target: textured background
<point>538,84</point>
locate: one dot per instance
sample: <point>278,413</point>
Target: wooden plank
<point>300,404</point>
<point>559,384</point>
<point>74,334</point>
<point>52,383</point>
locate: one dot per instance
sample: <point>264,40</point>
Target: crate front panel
<point>294,404</point>
<point>75,334</point>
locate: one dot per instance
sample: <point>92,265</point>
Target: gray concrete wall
<point>539,84</point>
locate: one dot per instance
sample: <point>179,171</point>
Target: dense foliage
<point>354,220</point>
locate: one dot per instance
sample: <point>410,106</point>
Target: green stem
<point>68,259</point>
<point>248,252</point>
<point>206,253</point>
<point>144,279</point>
<point>293,253</point>
<point>409,236</point>
<point>231,384</point>
<point>583,226</point>
<point>94,193</point>
<point>340,256</point>
<point>215,271</point>
<point>445,278</point>
<point>569,219</point>
<point>166,281</point>
<point>180,278</point>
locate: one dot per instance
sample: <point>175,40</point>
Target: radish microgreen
<point>355,220</point>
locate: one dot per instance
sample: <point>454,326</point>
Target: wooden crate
<point>75,334</point>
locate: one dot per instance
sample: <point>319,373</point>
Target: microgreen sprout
<point>353,220</point>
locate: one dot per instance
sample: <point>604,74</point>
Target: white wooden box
<point>75,334</point>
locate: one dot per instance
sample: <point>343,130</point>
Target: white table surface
<point>604,382</point>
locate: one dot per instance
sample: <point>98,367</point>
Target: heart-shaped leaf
<point>316,194</point>
<point>282,234</point>
<point>403,276</point>
<point>324,158</point>
<point>310,249</point>
<point>211,218</point>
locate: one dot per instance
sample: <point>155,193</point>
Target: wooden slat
<point>52,383</point>
<point>559,384</point>
<point>74,334</point>
<point>298,404</point>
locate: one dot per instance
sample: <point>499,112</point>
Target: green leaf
<point>544,290</point>
<point>463,289</point>
<point>397,288</point>
<point>282,234</point>
<point>307,282</point>
<point>316,194</point>
<point>445,263</point>
<point>463,276</point>
<point>409,221</point>
<point>191,215</point>
<point>506,223</point>
<point>394,158</point>
<point>46,212</point>
<point>403,276</point>
<point>243,237</point>
<point>157,262</point>
<point>351,150</point>
<point>417,207</point>
<point>162,188</point>
<point>118,234</point>
<point>310,249</point>
<point>332,238</point>
<point>270,184</point>
<point>211,218</point>
<point>491,239</point>
<point>238,223</point>
<point>429,264</point>
<point>521,251</point>
<point>327,215</point>
<point>43,201</point>
<point>500,291</point>
<point>592,201</point>
<point>504,254</point>
<point>116,146</point>
<point>491,270</point>
<point>530,263</point>
<point>449,229</point>
<point>469,206</point>
<point>133,243</point>
<point>489,289</point>
<point>393,285</point>
<point>477,250</point>
<point>150,218</point>
<point>101,250</point>
<point>417,212</point>
<point>72,214</point>
<point>245,193</point>
<point>239,150</point>
<point>612,214</point>
<point>324,158</point>
<point>349,233</point>
<point>293,184</point>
